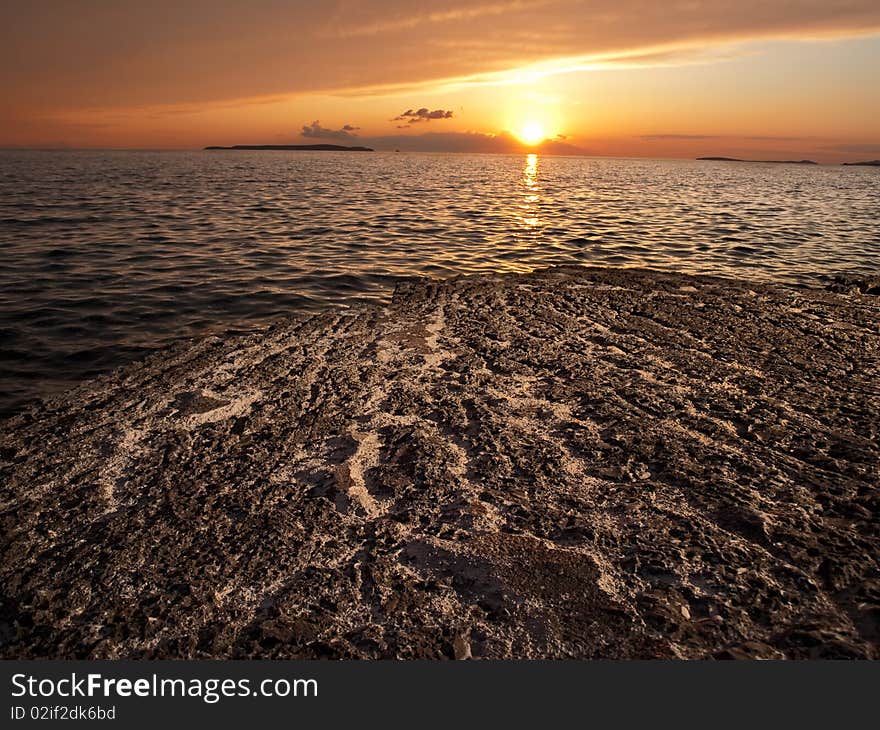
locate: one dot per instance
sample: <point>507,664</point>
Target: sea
<point>108,255</point>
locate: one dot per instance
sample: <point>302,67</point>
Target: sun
<point>531,133</point>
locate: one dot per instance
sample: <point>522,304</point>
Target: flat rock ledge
<point>577,462</point>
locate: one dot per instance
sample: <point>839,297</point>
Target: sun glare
<point>531,133</point>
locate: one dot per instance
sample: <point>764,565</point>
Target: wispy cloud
<point>750,137</point>
<point>666,57</point>
<point>409,22</point>
<point>679,136</point>
<point>861,148</point>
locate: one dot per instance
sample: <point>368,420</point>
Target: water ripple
<point>107,255</point>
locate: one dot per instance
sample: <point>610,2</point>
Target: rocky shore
<point>571,463</point>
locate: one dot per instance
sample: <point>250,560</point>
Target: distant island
<point>869,163</point>
<point>302,147</point>
<point>771,162</point>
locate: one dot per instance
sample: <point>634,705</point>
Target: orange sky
<point>620,77</point>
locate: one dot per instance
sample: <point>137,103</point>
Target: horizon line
<point>405,152</point>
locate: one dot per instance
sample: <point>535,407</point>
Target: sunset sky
<point>755,78</point>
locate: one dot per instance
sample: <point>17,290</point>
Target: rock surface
<point>569,463</point>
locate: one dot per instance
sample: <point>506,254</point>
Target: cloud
<point>437,16</point>
<point>868,148</point>
<point>71,60</point>
<point>751,137</point>
<point>652,137</point>
<point>411,116</point>
<point>67,55</point>
<point>316,131</point>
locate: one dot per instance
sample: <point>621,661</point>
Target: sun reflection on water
<point>529,206</point>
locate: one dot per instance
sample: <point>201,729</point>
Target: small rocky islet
<point>768,162</point>
<point>571,463</point>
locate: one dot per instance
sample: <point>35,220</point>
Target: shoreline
<point>574,462</point>
<point>842,282</point>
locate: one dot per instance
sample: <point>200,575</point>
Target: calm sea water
<point>107,255</point>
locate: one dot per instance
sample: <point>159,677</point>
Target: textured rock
<point>571,463</point>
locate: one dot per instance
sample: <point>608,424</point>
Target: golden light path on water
<point>531,198</point>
